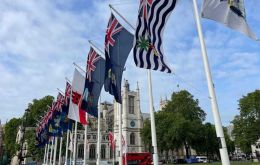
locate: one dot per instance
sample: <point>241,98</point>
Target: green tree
<point>247,123</point>
<point>33,151</point>
<point>178,124</point>
<point>10,132</point>
<point>187,120</point>
<point>146,135</point>
<point>36,110</point>
<point>208,142</point>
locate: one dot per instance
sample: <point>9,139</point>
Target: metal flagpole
<point>154,140</point>
<point>52,141</point>
<point>67,145</point>
<point>44,158</point>
<point>48,149</point>
<point>99,133</point>
<point>85,145</point>
<point>120,132</point>
<point>60,150</point>
<point>55,150</point>
<point>75,143</point>
<point>213,99</point>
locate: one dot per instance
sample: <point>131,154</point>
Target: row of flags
<point>56,120</point>
<point>81,98</point>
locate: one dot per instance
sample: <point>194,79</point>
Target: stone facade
<point>132,122</point>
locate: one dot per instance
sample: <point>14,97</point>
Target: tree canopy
<point>178,124</point>
<point>247,123</point>
<point>10,132</point>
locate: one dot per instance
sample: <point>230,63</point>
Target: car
<point>202,159</point>
<point>191,159</point>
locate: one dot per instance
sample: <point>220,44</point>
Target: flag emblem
<point>113,28</point>
<point>93,57</point>
<point>76,97</point>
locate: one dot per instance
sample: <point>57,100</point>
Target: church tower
<point>131,119</point>
<point>131,116</point>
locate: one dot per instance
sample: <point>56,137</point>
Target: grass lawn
<point>232,163</point>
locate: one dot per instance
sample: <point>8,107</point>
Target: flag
<point>66,123</point>
<point>54,128</point>
<point>148,48</point>
<point>228,12</point>
<point>95,75</point>
<point>124,145</point>
<point>111,140</point>
<point>118,44</point>
<point>59,102</point>
<point>75,113</point>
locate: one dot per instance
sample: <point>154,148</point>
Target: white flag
<point>229,12</point>
<point>78,84</point>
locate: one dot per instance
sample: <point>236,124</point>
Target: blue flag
<point>118,44</point>
<point>95,75</point>
<point>66,123</point>
<point>54,128</point>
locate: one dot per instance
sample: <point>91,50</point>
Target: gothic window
<point>132,138</point>
<point>131,104</point>
<point>81,151</point>
<point>92,151</point>
<point>103,151</point>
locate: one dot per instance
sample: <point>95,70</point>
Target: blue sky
<point>40,40</point>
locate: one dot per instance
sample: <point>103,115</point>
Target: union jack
<point>93,57</point>
<point>113,28</point>
<point>67,93</point>
<point>60,102</point>
<point>145,5</point>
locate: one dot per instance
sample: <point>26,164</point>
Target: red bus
<point>144,158</point>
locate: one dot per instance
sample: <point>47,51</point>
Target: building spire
<point>127,85</point>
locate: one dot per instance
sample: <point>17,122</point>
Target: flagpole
<point>213,99</point>
<point>60,150</point>
<point>121,16</point>
<point>67,145</point>
<point>93,45</point>
<point>48,148</point>
<point>52,141</point>
<point>55,150</point>
<point>44,158</point>
<point>99,133</point>
<point>120,133</point>
<point>75,143</point>
<point>85,145</point>
<point>153,130</point>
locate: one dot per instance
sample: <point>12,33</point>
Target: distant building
<point>132,122</point>
<point>163,103</point>
<point>256,151</point>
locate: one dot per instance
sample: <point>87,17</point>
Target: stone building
<point>132,122</point>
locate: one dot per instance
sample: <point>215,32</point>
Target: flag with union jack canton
<point>66,123</point>
<point>118,44</point>
<point>95,75</point>
<point>148,48</point>
<point>55,117</point>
